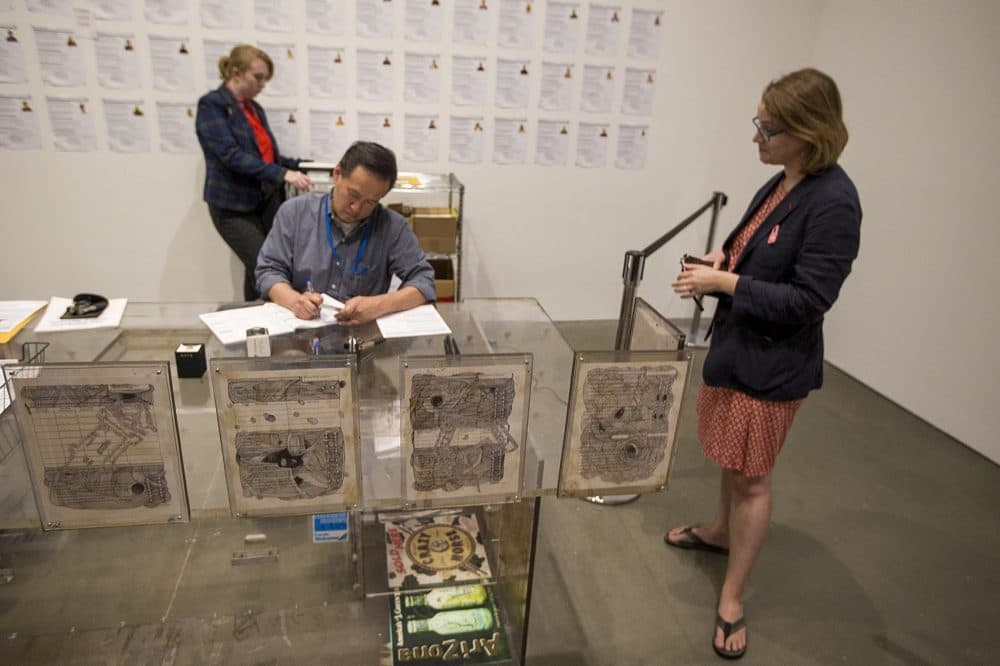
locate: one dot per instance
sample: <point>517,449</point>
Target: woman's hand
<point>696,279</point>
<point>716,257</point>
<point>298,180</point>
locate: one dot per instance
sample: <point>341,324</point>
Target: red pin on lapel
<point>773,237</point>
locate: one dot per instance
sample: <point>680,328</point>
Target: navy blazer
<point>767,339</point>
<point>234,170</point>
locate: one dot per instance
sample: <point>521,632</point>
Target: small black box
<point>190,360</point>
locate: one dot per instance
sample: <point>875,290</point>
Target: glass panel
<point>651,330</point>
<point>100,443</point>
<point>521,325</point>
<point>405,569</point>
<point>462,428</point>
<point>289,434</point>
<point>622,428</point>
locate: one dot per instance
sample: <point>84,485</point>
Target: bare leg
<point>716,532</point>
<point>718,529</point>
<point>749,516</point>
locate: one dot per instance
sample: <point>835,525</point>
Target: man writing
<point>345,244</point>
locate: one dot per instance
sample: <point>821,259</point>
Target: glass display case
<point>374,506</point>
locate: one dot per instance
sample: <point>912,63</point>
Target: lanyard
<point>333,246</point>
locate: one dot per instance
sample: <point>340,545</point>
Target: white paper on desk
<point>287,318</point>
<point>331,302</point>
<point>12,313</point>
<point>110,318</point>
<point>421,320</point>
<point>231,326</point>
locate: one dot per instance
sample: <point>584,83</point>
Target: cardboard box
<point>401,208</point>
<point>436,228</point>
<point>444,279</point>
<point>434,222</point>
<point>438,245</point>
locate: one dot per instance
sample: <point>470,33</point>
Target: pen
<point>309,290</point>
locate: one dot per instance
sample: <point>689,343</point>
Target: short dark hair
<point>807,104</point>
<point>375,157</point>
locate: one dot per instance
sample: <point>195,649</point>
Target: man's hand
<point>361,310</point>
<point>306,306</point>
<point>303,306</point>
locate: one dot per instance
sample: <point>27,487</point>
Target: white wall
<point>555,233</point>
<point>919,82</point>
<point>921,85</point>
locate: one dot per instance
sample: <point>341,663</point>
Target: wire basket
<point>31,353</point>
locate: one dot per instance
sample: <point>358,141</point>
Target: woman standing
<point>776,275</point>
<point>244,172</point>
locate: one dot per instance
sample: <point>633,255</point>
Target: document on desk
<point>421,320</point>
<point>288,319</point>
<point>14,315</point>
<point>51,322</point>
<point>332,303</point>
<point>230,326</point>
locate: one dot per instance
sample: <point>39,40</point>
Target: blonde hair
<point>806,103</point>
<point>241,57</point>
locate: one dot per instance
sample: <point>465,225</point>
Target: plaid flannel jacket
<point>234,170</point>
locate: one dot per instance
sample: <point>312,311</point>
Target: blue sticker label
<point>330,527</point>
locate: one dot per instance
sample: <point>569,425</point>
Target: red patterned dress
<point>736,430</point>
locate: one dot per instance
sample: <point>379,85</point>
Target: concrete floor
<point>884,549</point>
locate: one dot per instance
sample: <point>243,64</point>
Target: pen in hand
<point>310,290</point>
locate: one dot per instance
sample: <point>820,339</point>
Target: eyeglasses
<point>765,133</point>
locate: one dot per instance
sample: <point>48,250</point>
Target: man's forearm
<point>403,299</point>
<point>283,294</point>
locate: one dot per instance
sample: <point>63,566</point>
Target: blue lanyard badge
<point>358,269</point>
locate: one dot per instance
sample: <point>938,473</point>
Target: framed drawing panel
<point>463,428</point>
<point>101,443</point>
<point>622,421</point>
<point>289,435</point>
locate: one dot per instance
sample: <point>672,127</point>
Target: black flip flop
<point>728,629</point>
<point>694,542</point>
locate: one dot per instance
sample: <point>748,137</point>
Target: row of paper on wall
<point>423,20</point>
<point>128,131</point>
<point>327,73</point>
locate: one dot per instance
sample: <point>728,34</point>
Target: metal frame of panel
<point>463,428</point>
<point>289,432</point>
<point>101,443</point>
<point>622,405</point>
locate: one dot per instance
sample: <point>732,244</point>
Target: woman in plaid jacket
<point>244,172</point>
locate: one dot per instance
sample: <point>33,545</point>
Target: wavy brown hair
<point>806,104</point>
<point>241,57</point>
